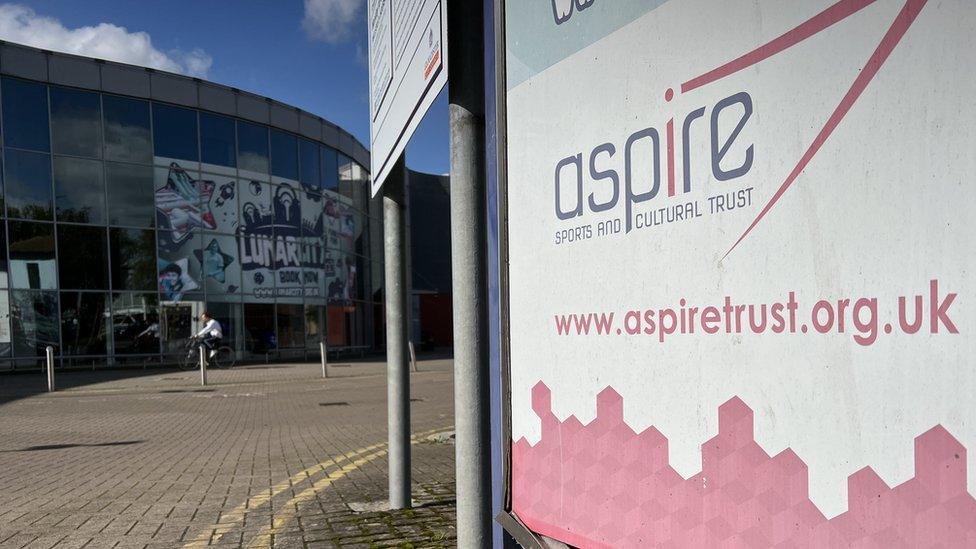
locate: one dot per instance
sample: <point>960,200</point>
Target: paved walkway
<point>264,456</point>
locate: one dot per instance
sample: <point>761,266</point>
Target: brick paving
<point>264,456</point>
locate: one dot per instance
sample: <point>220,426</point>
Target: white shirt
<point>212,328</point>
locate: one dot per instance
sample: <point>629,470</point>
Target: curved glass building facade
<point>132,200</point>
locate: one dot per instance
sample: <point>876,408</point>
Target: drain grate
<point>417,400</point>
<point>333,404</point>
<point>174,391</point>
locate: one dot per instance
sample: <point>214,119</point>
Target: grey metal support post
<point>203,366</point>
<point>397,317</point>
<point>49,354</point>
<point>469,271</point>
<point>325,359</point>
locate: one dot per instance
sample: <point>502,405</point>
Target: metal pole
<point>413,358</point>
<point>325,362</point>
<point>49,352</point>
<point>203,366</point>
<point>469,271</point>
<point>397,369</point>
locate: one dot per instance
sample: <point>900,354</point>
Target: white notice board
<point>407,69</point>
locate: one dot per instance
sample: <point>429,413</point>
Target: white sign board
<point>407,69</point>
<point>742,264</point>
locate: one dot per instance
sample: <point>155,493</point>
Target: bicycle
<point>224,358</point>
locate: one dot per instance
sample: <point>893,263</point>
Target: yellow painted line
<point>290,509</point>
<point>229,520</point>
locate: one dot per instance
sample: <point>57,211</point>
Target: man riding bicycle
<point>211,334</point>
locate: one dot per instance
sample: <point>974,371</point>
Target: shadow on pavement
<point>63,446</point>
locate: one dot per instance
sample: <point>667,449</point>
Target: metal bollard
<point>50,368</point>
<point>325,361</point>
<point>203,366</point>
<point>413,358</point>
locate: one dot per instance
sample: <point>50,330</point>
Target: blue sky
<point>258,46</point>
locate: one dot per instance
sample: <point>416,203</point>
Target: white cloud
<point>332,21</point>
<point>105,41</point>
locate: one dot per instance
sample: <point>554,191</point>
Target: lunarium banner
<point>741,271</point>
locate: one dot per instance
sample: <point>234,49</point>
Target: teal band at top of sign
<point>541,33</point>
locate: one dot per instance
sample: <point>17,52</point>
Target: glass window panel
<point>183,200</point>
<point>76,122</point>
<point>127,133</point>
<point>28,185</point>
<point>252,147</point>
<point>32,263</point>
<point>340,324</point>
<point>218,144</point>
<point>259,328</point>
<point>82,258</point>
<point>219,264</point>
<point>175,132</point>
<point>228,311</point>
<point>287,241</point>
<point>133,253</point>
<point>291,326</point>
<point>312,215</point>
<point>178,267</point>
<point>341,224</point>
<point>342,277</point>
<point>310,161</point>
<point>348,183</point>
<point>257,265</point>
<point>25,122</point>
<point>84,323</point>
<point>135,323</point>
<point>314,325</point>
<point>330,169</point>
<point>33,322</point>
<point>284,155</point>
<point>4,267</point>
<point>313,268</point>
<point>79,190</point>
<point>130,194</point>
<point>222,203</point>
<point>5,340</point>
<point>180,320</point>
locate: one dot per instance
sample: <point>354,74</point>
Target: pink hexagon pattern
<point>603,485</point>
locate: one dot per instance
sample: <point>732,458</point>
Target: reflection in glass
<point>310,161</point>
<point>175,132</point>
<point>5,342</point>
<point>82,258</point>
<point>180,320</point>
<point>312,214</point>
<point>32,255</point>
<point>127,134</point>
<point>135,323</point>
<point>259,328</point>
<point>252,147</point>
<point>4,267</point>
<point>330,169</point>
<point>284,155</point>
<point>28,185</point>
<point>33,322</point>
<point>79,190</point>
<point>218,144</point>
<point>130,194</point>
<point>314,325</point>
<point>133,253</point>
<point>291,326</point>
<point>25,122</point>
<point>84,323</point>
<point>76,122</point>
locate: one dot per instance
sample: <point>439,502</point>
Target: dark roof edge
<point>144,82</point>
